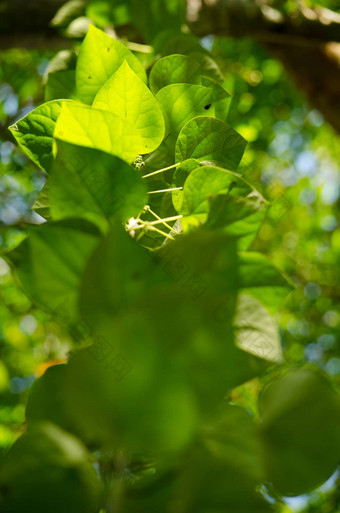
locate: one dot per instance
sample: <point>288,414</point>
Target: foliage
<point>146,259</point>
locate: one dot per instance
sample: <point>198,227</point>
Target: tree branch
<point>44,40</point>
<point>241,18</point>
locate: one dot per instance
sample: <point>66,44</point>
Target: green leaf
<point>117,275</point>
<point>78,124</point>
<point>171,42</point>
<point>99,57</point>
<point>180,103</point>
<point>104,14</point>
<point>300,417</point>
<point>180,175</point>
<point>34,133</point>
<point>154,491</point>
<point>94,185</point>
<point>255,330</point>
<point>68,12</point>
<point>210,139</point>
<point>233,436</point>
<point>211,483</point>
<point>126,96</point>
<point>174,69</point>
<point>239,216</point>
<point>42,204</point>
<point>124,380</point>
<point>60,84</point>
<point>47,399</point>
<point>262,280</point>
<point>205,181</point>
<point>209,66</point>
<point>204,267</point>
<point>194,282</point>
<point>50,262</point>
<point>221,97</point>
<point>48,469</point>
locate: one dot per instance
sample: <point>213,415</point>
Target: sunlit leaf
<point>34,133</point>
<point>99,57</point>
<point>78,124</point>
<point>126,96</point>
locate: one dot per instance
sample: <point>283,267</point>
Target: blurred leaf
<point>255,330</point>
<point>67,12</point>
<point>123,380</point>
<point>47,401</point>
<point>262,280</point>
<point>50,262</point>
<point>47,469</point>
<point>60,85</point>
<point>240,216</point>
<point>157,16</point>
<point>211,483</point>
<point>300,415</point>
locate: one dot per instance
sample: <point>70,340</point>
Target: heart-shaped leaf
<point>78,124</point>
<point>34,133</point>
<point>210,139</point>
<point>99,57</point>
<point>126,96</point>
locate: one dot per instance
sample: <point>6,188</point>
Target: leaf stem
<point>154,228</point>
<point>161,170</point>
<point>137,47</point>
<point>166,190</point>
<point>148,209</point>
<point>161,221</point>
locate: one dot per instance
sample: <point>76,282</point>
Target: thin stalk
<point>137,47</point>
<point>166,190</point>
<point>160,219</point>
<point>162,233</point>
<point>150,225</point>
<point>161,170</point>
